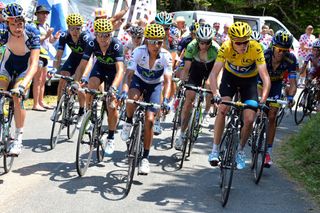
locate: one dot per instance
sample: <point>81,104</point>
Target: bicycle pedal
<point>144,174</point>
<point>12,155</point>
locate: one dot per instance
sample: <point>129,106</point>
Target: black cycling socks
<point>129,120</point>
<point>81,111</point>
<point>146,153</point>
<point>111,134</point>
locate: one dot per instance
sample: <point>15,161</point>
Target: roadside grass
<point>48,99</point>
<point>300,156</point>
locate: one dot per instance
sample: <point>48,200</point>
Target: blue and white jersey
<point>31,35</point>
<point>139,63</point>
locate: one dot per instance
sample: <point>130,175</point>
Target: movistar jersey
<point>139,63</point>
<point>241,65</point>
<point>113,54</point>
<point>78,47</point>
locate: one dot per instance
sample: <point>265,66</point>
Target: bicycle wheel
<point>58,123</point>
<point>72,120</point>
<point>101,131</point>
<point>176,121</point>
<point>195,127</point>
<point>133,153</point>
<point>261,150</point>
<point>280,115</point>
<point>301,107</point>
<point>85,145</point>
<point>252,142</point>
<point>227,165</point>
<point>5,137</point>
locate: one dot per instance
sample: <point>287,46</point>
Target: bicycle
<point>307,102</point>
<point>228,148</point>
<point>6,115</point>
<point>65,113</point>
<point>92,135</point>
<point>259,140</point>
<point>194,125</point>
<point>180,97</point>
<point>135,144</point>
<point>283,107</point>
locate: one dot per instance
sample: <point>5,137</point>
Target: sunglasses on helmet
<point>155,42</point>
<point>15,19</point>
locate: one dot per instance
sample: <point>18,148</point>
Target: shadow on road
<point>41,145</point>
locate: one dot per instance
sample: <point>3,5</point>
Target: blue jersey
<point>78,47</point>
<point>184,43</point>
<point>113,54</point>
<point>288,63</point>
<point>31,34</point>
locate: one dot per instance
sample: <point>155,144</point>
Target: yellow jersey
<point>241,65</point>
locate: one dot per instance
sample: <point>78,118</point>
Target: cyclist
<point>151,66</point>
<point>199,56</point>
<point>241,59</point>
<point>19,63</point>
<point>77,40</point>
<point>170,43</point>
<point>314,71</point>
<point>257,37</point>
<point>108,68</point>
<point>136,33</point>
<point>279,60</point>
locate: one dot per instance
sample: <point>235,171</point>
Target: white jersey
<point>139,63</point>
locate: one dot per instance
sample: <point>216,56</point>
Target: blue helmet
<point>282,38</point>
<point>174,32</point>
<point>12,10</point>
<point>164,18</point>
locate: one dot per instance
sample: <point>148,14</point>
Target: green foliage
<point>294,14</point>
<point>300,156</point>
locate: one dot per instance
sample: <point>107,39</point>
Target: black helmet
<point>283,39</point>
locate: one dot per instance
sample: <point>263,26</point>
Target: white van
<point>256,22</point>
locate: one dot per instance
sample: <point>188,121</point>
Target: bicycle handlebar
<point>143,104</point>
<point>197,89</point>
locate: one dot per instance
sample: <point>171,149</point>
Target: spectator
<point>181,25</point>
<point>265,36</point>
<point>217,35</point>
<point>271,32</point>
<point>224,35</point>
<point>305,49</point>
<point>141,22</point>
<point>2,6</point>
<point>202,21</point>
<point>46,38</point>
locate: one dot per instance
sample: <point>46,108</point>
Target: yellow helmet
<point>239,30</point>
<point>74,19</point>
<point>154,31</point>
<point>103,26</point>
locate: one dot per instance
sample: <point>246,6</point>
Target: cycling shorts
<point>43,62</point>
<point>105,76</point>
<point>151,92</point>
<point>71,64</point>
<point>247,87</point>
<point>14,66</point>
<point>199,72</point>
<point>275,91</point>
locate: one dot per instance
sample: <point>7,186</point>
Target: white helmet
<point>256,35</point>
<point>205,32</point>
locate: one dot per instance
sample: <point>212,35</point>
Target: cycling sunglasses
<point>155,42</point>
<point>204,42</point>
<point>279,49</point>
<point>239,43</point>
<point>137,37</point>
<point>102,35</point>
<point>74,28</point>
